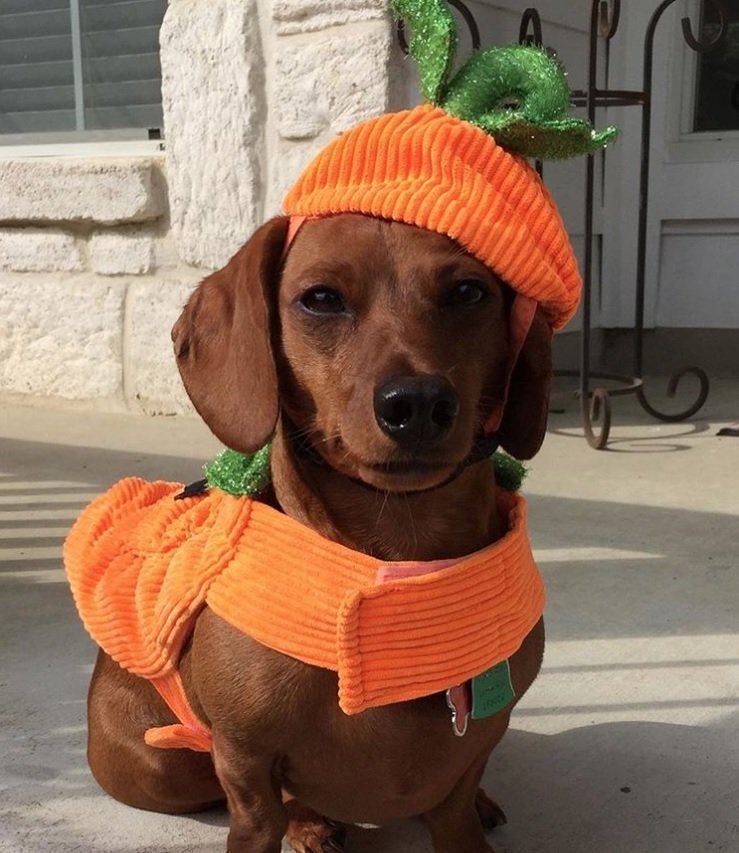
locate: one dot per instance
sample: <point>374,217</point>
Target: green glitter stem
<point>432,44</point>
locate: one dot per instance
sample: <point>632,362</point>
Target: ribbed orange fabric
<point>190,733</point>
<point>427,168</point>
<point>141,565</point>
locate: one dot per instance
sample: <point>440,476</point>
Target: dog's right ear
<point>525,417</point>
<point>223,345</point>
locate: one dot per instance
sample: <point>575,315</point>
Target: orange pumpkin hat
<point>457,165</point>
<point>427,168</point>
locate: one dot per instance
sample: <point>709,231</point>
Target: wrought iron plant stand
<point>595,401</point>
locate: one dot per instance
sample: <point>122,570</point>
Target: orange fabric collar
<point>142,565</point>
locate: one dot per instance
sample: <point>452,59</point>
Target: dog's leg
<point>489,812</point>
<point>121,708</point>
<point>455,824</point>
<point>310,833</point>
<point>258,819</point>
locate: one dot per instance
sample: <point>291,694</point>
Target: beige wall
<point>97,256</point>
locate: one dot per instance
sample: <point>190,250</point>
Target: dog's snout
<point>416,409</point>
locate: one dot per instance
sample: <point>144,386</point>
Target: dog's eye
<point>323,300</point>
<point>467,293</point>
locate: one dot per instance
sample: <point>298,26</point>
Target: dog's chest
<point>387,763</point>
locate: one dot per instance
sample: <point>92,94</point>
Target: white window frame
<point>686,145</point>
<point>91,148</point>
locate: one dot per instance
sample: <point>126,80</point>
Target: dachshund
<point>372,353</point>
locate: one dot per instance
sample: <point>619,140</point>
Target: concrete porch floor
<point>627,743</point>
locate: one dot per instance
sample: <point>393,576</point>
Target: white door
<point>692,269</point>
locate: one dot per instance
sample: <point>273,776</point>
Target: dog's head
<point>383,345</point>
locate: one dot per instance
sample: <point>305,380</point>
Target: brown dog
<point>382,347</point>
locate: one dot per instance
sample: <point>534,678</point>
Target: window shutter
<point>120,63</point>
<point>120,71</point>
<point>36,66</point>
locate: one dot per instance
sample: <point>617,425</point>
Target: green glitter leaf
<point>432,44</point>
<point>239,474</point>
<point>519,95</point>
<point>509,472</point>
<point>558,141</point>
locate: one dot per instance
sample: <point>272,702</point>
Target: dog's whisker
<point>385,500</point>
<point>308,432</point>
<point>411,520</point>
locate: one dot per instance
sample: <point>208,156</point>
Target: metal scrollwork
<point>702,47</point>
<point>692,41</point>
<point>672,387</point>
<point>705,46</point>
<point>531,29</point>
<point>471,22</point>
<point>596,418</point>
<point>607,15</point>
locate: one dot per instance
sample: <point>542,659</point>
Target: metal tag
<point>459,700</point>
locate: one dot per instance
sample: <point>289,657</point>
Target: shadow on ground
<point>627,582</point>
<point>613,788</point>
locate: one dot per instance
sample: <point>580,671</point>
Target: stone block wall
<point>90,282</point>
<point>97,256</point>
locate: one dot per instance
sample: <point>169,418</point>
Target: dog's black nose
<point>416,409</point>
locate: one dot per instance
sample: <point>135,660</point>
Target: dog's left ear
<point>223,343</point>
<point>524,421</point>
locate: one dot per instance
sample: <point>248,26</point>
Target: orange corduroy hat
<point>457,165</point>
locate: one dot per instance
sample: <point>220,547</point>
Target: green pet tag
<point>492,691</point>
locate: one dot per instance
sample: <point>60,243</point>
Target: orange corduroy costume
<point>142,565</point>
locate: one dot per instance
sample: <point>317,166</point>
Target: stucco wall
<point>98,256</point>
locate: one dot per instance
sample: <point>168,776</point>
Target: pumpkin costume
<point>142,564</point>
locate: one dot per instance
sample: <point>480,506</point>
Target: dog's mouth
<point>407,475</point>
<point>405,467</point>
<point>401,471</point>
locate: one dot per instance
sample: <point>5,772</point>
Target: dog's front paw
<point>308,832</point>
<point>489,812</point>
